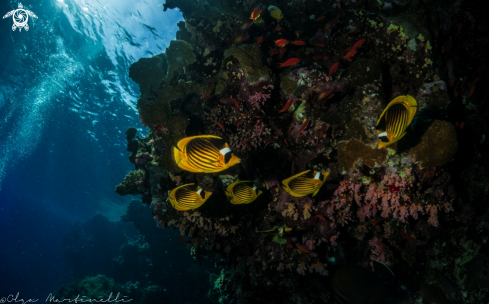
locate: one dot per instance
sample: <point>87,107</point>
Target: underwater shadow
<point>421,123</point>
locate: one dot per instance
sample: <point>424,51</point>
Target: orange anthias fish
<point>282,52</point>
<point>320,18</point>
<point>241,38</point>
<point>320,217</point>
<point>259,40</point>
<point>287,106</point>
<point>219,125</point>
<point>290,62</point>
<point>281,42</point>
<point>298,42</point>
<point>303,249</point>
<point>358,44</point>
<point>255,13</point>
<point>304,125</point>
<point>333,69</point>
<point>278,28</point>
<point>317,57</point>
<point>350,54</point>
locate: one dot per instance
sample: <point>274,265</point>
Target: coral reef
<point>403,223</point>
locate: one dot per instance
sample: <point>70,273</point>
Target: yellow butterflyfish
<point>241,192</point>
<point>299,185</point>
<point>395,119</point>
<point>188,197</point>
<point>204,153</point>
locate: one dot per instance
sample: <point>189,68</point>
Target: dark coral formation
<point>405,206</point>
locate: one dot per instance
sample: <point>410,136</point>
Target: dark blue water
<point>65,103</point>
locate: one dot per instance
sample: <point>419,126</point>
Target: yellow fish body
<point>395,119</point>
<point>184,198</point>
<point>280,231</point>
<point>204,153</point>
<point>275,12</point>
<point>299,185</point>
<point>241,193</point>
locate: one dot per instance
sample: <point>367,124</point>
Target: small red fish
<point>323,94</point>
<point>239,124</point>
<point>304,125</point>
<point>350,54</point>
<point>475,81</point>
<point>245,143</point>
<point>246,24</point>
<point>408,238</point>
<point>259,40</point>
<point>256,116</point>
<point>290,128</point>
<point>272,51</point>
<point>358,44</point>
<point>255,13</point>
<point>281,42</point>
<point>289,245</point>
<point>319,45</point>
<point>219,125</point>
<point>330,24</point>
<point>298,42</point>
<point>459,27</point>
<point>325,57</point>
<point>472,89</point>
<point>333,69</point>
<point>303,249</point>
<point>207,94</point>
<point>374,222</point>
<point>320,217</point>
<point>282,52</point>
<point>287,106</point>
<point>241,38</point>
<point>286,143</point>
<point>278,28</point>
<point>290,62</point>
<point>317,57</point>
<point>321,131</point>
<point>320,18</point>
<point>462,124</point>
<point>235,102</point>
<point>357,27</point>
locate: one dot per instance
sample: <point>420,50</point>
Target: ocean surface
<point>65,103</point>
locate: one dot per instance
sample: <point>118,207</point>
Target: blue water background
<point>65,103</point>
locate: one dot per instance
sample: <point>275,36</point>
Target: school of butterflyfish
<point>210,154</point>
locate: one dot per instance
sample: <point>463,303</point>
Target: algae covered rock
<point>364,71</point>
<point>250,57</point>
<point>149,73</point>
<point>131,184</point>
<point>437,146</point>
<point>287,83</point>
<point>97,287</point>
<point>352,151</point>
<point>180,54</point>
